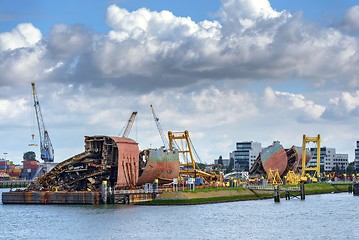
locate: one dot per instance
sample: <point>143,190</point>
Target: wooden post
<point>287,195</point>
<point>276,194</point>
<point>302,191</point>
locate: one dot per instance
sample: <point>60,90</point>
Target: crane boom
<point>129,125</point>
<point>159,127</point>
<point>46,149</point>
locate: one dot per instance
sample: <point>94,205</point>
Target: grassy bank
<point>216,195</point>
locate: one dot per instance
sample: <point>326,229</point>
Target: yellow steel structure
<point>274,177</point>
<point>292,178</point>
<point>190,167</point>
<point>305,169</point>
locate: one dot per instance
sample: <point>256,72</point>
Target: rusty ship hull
<point>116,160</point>
<point>162,164</point>
<point>294,155</point>
<point>274,157</point>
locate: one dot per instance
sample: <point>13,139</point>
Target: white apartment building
<point>329,159</point>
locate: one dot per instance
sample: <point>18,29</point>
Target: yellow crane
<point>306,169</point>
<point>189,167</point>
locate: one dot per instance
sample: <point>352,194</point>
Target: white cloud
<point>12,111</point>
<point>147,50</point>
<point>24,35</point>
<point>351,19</point>
<point>246,13</point>
<point>344,106</point>
<point>294,104</point>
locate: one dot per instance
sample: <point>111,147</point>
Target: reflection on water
<point>327,216</point>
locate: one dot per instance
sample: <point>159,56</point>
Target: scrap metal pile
<point>87,170</point>
<point>116,160</point>
<point>275,157</point>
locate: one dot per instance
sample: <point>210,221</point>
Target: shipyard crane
<point>46,149</point>
<point>159,127</point>
<point>128,127</point>
<point>189,167</point>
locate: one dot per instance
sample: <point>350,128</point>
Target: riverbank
<point>216,195</point>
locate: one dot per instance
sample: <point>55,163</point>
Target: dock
<point>290,192</point>
<point>47,197</point>
<point>79,197</point>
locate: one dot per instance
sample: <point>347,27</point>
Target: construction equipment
<point>129,124</point>
<point>189,167</point>
<point>46,148</point>
<point>292,178</point>
<point>305,169</point>
<point>159,127</point>
<point>274,177</point>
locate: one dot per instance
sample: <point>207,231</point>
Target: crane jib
<point>46,148</point>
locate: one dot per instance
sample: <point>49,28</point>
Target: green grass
<point>238,189</point>
<point>310,189</point>
<point>320,188</point>
<point>207,200</point>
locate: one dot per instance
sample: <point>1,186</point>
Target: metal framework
<point>274,177</point>
<point>128,127</point>
<point>305,169</point>
<point>292,178</point>
<point>159,127</point>
<point>46,148</point>
<point>189,167</point>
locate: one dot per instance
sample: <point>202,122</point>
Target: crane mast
<point>159,127</point>
<point>129,125</point>
<point>46,149</point>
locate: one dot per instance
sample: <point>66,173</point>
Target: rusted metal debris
<point>99,162</point>
<point>116,160</point>
<point>293,163</point>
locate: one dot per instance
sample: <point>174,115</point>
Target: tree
<point>350,168</point>
<point>29,156</point>
<point>220,160</point>
<point>231,165</point>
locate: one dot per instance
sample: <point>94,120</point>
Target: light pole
<point>5,160</point>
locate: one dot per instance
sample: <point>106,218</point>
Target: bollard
<point>104,191</point>
<point>155,188</point>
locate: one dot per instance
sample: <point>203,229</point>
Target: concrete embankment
<point>215,195</point>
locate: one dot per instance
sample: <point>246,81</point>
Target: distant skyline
<point>226,71</point>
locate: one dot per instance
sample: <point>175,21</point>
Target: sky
<point>226,71</point>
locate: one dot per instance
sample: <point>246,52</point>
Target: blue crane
<point>47,151</point>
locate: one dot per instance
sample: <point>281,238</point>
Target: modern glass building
<point>356,160</point>
<point>245,155</point>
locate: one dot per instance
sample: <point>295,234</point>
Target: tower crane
<point>46,149</point>
<point>159,127</point>
<point>128,127</point>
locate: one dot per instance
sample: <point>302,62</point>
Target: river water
<point>327,216</point>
